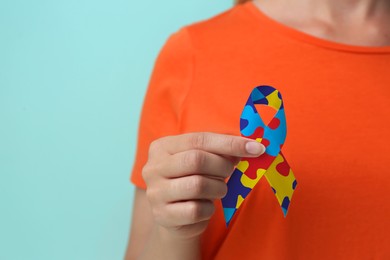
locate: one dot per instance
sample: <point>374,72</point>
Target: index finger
<point>222,144</point>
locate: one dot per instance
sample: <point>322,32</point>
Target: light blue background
<point>72,79</point>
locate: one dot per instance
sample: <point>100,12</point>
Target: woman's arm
<point>141,225</point>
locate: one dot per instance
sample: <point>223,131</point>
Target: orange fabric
<point>336,100</point>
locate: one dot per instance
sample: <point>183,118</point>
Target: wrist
<point>175,246</point>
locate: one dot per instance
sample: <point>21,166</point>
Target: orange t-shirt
<point>337,104</point>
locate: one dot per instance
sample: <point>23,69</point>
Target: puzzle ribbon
<point>271,164</point>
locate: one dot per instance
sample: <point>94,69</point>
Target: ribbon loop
<point>271,164</point>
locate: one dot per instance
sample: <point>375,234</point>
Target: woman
<point>331,61</point>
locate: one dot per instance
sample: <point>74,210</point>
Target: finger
<point>196,162</point>
<point>214,143</point>
<point>186,213</point>
<point>194,187</point>
<point>195,229</point>
<point>234,160</point>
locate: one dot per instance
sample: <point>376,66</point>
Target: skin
<point>354,22</point>
<point>185,173</point>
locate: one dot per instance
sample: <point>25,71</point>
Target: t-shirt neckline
<point>302,36</point>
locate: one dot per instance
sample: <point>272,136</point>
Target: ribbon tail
<point>239,187</point>
<point>279,176</point>
<point>282,181</point>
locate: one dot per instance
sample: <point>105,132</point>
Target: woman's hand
<point>186,173</point>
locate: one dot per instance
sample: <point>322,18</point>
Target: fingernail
<point>254,148</point>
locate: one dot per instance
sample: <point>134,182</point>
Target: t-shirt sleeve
<point>168,86</point>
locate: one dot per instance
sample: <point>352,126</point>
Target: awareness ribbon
<point>271,164</point>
